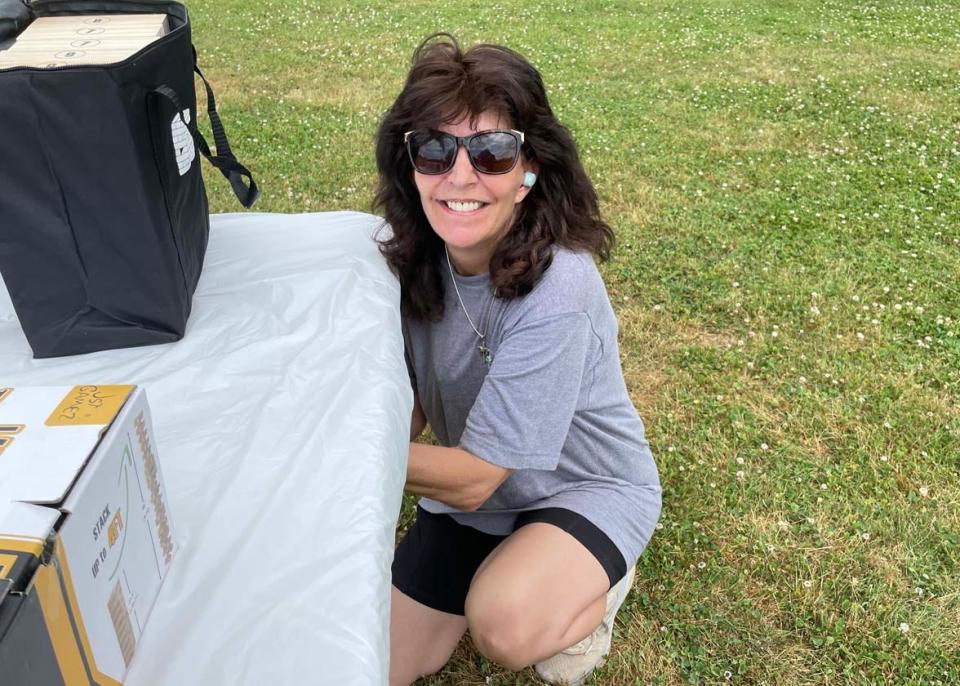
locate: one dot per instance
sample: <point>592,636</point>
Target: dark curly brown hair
<point>444,85</point>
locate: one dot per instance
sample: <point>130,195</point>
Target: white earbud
<point>529,178</point>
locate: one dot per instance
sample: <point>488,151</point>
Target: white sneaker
<point>574,664</point>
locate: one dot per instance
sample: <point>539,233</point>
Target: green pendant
<point>485,354</point>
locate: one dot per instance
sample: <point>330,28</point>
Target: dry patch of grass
<point>648,341</point>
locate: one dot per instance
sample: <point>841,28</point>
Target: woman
<point>543,492</point>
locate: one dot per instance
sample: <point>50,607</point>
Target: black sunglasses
<point>490,152</point>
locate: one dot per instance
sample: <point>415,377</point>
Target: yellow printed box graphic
<point>89,405</point>
<point>7,432</point>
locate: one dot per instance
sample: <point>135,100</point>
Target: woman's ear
<point>529,179</point>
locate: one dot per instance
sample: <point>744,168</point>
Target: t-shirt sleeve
<point>525,406</point>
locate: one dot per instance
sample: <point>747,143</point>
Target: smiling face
<point>469,210</point>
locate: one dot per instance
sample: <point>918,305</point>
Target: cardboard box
<point>82,39</point>
<point>85,537</point>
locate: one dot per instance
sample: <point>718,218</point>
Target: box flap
<point>25,527</point>
<point>47,434</point>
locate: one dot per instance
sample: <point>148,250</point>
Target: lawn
<point>783,179</point>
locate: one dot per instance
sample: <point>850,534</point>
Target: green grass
<point>784,179</point>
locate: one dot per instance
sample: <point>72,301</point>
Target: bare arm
<point>452,476</point>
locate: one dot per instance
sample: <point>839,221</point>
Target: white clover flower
<point>764,446</point>
<point>807,584</point>
<point>924,491</point>
<point>739,460</point>
<point>865,536</point>
<point>740,475</point>
<point>904,627</point>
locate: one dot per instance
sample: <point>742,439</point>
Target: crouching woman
<point>543,492</point>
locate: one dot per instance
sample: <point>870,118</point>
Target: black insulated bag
<point>103,212</point>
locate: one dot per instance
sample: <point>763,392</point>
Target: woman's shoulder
<point>572,273</point>
<point>573,264</point>
<point>571,285</point>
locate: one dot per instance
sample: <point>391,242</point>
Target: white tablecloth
<point>282,421</point>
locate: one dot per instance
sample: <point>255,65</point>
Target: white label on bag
<point>183,147</point>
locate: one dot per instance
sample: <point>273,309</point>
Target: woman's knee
<point>502,632</point>
<point>503,644</point>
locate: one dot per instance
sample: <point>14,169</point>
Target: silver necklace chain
<point>484,351</point>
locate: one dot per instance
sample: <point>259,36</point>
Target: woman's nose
<point>462,172</point>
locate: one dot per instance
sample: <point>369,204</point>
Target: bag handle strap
<point>247,191</point>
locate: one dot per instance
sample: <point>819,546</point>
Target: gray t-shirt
<point>552,405</point>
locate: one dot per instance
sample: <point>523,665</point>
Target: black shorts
<point>437,558</point>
